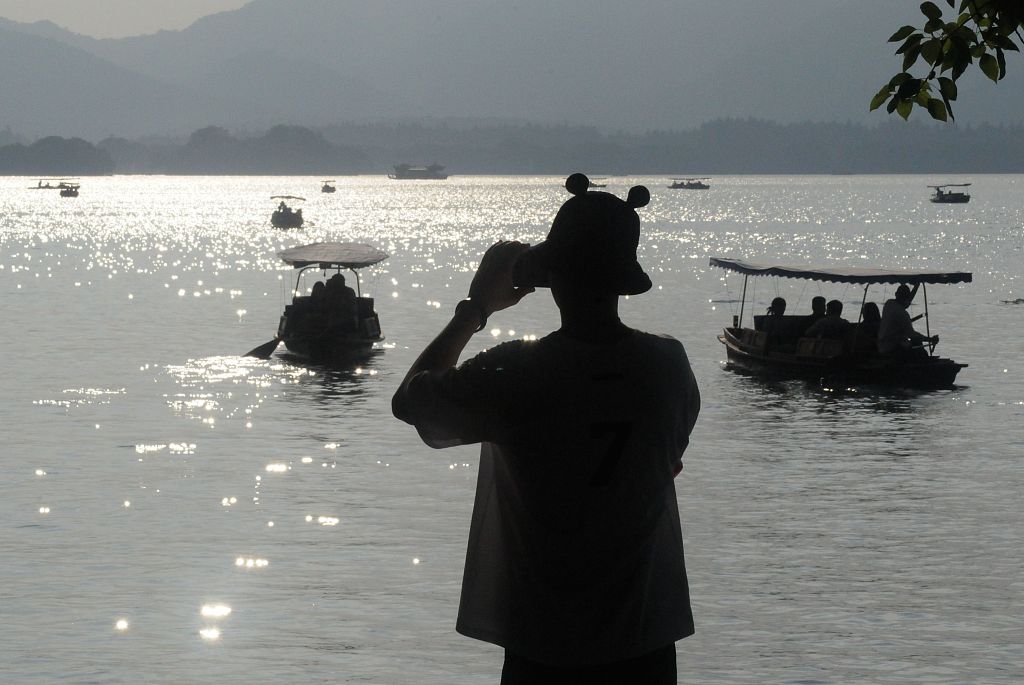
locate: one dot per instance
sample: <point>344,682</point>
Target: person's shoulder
<point>660,345</point>
<point>501,355</point>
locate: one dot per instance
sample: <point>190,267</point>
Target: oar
<point>265,350</point>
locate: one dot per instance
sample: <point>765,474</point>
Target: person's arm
<point>490,291</point>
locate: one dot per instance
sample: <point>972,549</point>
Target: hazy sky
<point>115,18</point>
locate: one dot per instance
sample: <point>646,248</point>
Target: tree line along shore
<point>723,146</point>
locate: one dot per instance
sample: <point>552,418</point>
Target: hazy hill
<point>636,66</point>
<point>50,87</point>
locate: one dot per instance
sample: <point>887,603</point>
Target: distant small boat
<point>950,196</point>
<point>284,216</point>
<point>327,187</point>
<point>689,183</point>
<point>434,172</point>
<point>596,183</point>
<point>68,189</point>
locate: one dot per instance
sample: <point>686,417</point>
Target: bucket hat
<point>593,241</point>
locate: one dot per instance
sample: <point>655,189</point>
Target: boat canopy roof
<point>326,255</point>
<point>287,197</point>
<point>842,274</point>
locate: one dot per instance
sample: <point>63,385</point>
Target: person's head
<point>319,289</point>
<point>870,313</point>
<point>590,251</point>
<point>834,308</point>
<point>903,295</point>
<point>778,307</point>
<point>818,305</point>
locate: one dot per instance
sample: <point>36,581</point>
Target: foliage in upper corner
<point>983,32</point>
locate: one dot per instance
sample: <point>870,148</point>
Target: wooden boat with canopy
<point>284,216</point>
<point>784,351</point>
<point>334,324</point>
<point>943,196</point>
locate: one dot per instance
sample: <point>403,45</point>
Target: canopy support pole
<point>860,317</point>
<point>359,292</point>
<point>927,322</point>
<point>743,301</point>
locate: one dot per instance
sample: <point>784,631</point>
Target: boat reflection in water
<point>777,347</point>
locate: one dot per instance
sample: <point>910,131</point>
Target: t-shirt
<point>575,552</point>
<point>833,327</point>
<point>896,329</point>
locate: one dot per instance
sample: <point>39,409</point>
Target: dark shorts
<point>656,668</point>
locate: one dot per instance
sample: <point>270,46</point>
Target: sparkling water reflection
<point>833,535</point>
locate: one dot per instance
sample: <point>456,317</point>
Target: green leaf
<point>904,108</point>
<point>880,97</point>
<point>910,42</point>
<point>922,98</point>
<point>930,10</point>
<point>936,109</point>
<point>934,25</point>
<point>909,90</point>
<point>947,87</point>
<point>989,66</point>
<point>901,34</point>
<point>931,50</point>
<point>891,107</point>
<point>899,79</point>
<point>911,56</point>
<point>1001,59</point>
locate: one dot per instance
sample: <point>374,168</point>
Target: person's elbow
<point>400,405</point>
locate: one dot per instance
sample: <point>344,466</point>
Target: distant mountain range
<point>658,64</point>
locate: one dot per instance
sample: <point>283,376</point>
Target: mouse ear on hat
<point>638,196</point>
<point>577,184</point>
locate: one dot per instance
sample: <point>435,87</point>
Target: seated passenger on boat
<point>896,334</point>
<point>817,311</point>
<point>864,336</point>
<point>341,305</point>
<point>832,325</point>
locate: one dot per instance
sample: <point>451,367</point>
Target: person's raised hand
<point>492,285</point>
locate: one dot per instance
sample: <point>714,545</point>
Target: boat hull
<point>818,360</point>
<point>952,198</point>
<point>313,341</point>
<point>281,219</point>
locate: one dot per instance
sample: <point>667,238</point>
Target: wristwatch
<point>476,308</point>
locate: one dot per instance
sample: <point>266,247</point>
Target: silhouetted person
<point>864,336</point>
<point>282,207</point>
<point>832,325</point>
<point>340,304</point>
<point>772,323</point>
<point>575,558</point>
<point>818,308</point>
<point>896,334</point>
<point>817,312</point>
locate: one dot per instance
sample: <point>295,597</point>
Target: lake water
<point>171,512</point>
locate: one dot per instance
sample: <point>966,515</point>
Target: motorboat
<point>327,187</point>
<point>284,216</point>
<point>409,172</point>
<point>941,195</point>
<point>334,324</point>
<point>779,348</point>
<point>68,189</point>
<point>689,183</point>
